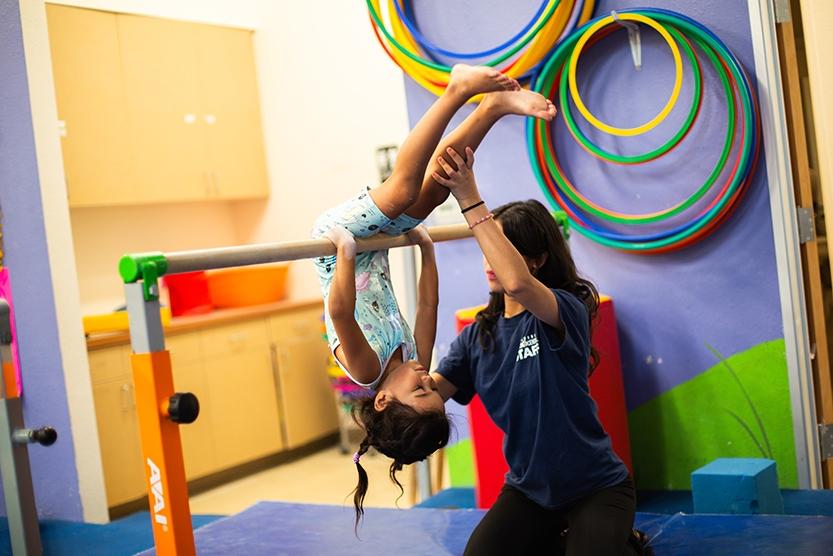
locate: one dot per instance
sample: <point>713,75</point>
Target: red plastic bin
<point>188,293</point>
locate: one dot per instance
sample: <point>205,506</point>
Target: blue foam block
<point>737,486</point>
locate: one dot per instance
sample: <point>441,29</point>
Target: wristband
<point>482,220</point>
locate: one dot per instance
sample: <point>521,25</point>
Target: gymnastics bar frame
<point>18,488</point>
<point>152,375</point>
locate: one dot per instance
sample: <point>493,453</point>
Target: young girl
<point>528,356</point>
<point>370,340</point>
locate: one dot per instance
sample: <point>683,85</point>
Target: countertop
<point>196,322</point>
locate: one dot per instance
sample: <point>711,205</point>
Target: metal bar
<point>146,333</point>
<point>224,257</point>
<point>16,473</point>
<point>17,482</point>
<point>423,470</point>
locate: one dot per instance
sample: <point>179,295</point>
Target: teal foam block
<point>737,486</point>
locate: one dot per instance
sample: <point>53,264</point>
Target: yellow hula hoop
<point>672,100</point>
<point>539,45</point>
<point>587,12</point>
<point>545,40</point>
<point>524,63</point>
<point>418,73</point>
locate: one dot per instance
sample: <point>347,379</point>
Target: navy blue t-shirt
<point>534,386</point>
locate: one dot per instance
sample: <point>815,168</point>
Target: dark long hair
<point>400,432</point>
<point>529,226</point>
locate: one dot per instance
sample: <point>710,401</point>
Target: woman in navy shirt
<point>528,357</point>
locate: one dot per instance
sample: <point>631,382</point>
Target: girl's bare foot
<point>522,103</point>
<point>468,81</point>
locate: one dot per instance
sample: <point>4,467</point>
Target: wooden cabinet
<point>245,419</point>
<point>188,368</point>
<point>167,138</point>
<point>230,105</point>
<point>118,427</point>
<point>306,396</point>
<point>91,106</point>
<point>155,110</point>
<point>262,386</point>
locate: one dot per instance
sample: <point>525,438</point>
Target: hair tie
<point>475,205</point>
<point>356,457</point>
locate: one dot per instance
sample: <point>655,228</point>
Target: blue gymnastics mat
<point>279,528</point>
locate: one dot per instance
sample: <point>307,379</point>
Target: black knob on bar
<point>183,407</point>
<point>45,436</point>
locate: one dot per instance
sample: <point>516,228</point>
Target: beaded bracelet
<point>475,205</point>
<point>482,220</point>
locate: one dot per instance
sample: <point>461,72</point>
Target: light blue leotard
<point>377,311</point>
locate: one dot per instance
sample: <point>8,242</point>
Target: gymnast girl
<point>369,338</point>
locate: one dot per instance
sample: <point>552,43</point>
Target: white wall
<point>817,18</point>
<point>102,235</point>
<point>329,97</point>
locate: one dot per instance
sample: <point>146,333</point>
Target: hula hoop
<point>598,152</point>
<point>741,107</point>
<point>675,92</point>
<point>406,16</point>
<point>614,216</point>
<point>524,56</point>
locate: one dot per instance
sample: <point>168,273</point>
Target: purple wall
<point>25,249</point>
<point>723,291</point>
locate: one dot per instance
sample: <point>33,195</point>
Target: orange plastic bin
<point>606,388</point>
<point>248,285</point>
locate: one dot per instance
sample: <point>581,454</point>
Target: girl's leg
<point>470,133</point>
<point>401,189</point>
<point>515,525</point>
<point>602,522</point>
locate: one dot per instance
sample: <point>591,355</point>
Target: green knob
<point>131,267</point>
<point>147,267</point>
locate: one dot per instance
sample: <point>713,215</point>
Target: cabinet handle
<point>276,377</point>
<point>190,118</point>
<point>206,183</point>
<point>210,119</point>
<point>125,397</point>
<point>238,338</point>
<point>214,182</point>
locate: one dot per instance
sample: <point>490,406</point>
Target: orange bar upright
<point>162,451</point>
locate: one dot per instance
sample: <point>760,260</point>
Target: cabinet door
<point>244,408</point>
<point>107,365</point>
<point>231,113</point>
<point>118,433</point>
<point>159,59</point>
<point>309,408</point>
<point>189,376</point>
<point>197,437</point>
<point>91,104</point>
<point>306,397</point>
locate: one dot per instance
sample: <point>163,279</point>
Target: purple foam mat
<point>276,528</point>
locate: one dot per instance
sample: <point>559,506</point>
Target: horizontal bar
<point>224,257</point>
